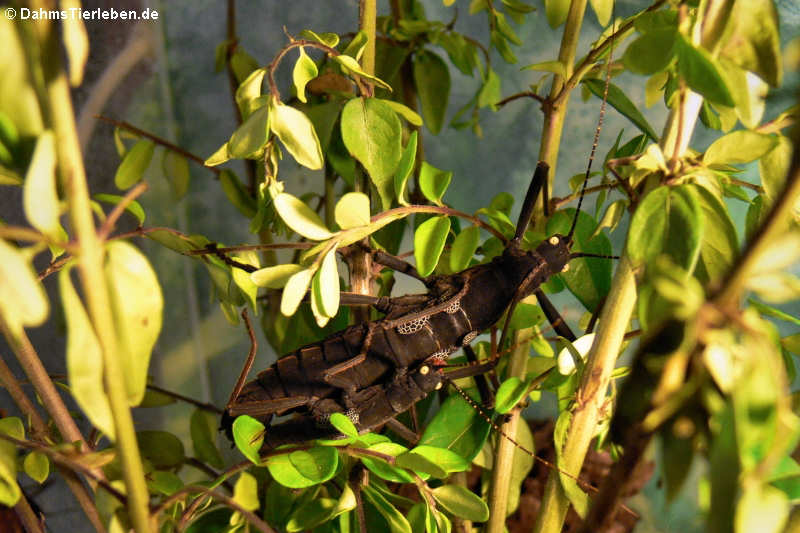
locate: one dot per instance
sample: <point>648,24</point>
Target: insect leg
<point>237,389</point>
<point>553,316</point>
<point>480,380</point>
<point>268,407</point>
<point>395,263</point>
<point>537,182</point>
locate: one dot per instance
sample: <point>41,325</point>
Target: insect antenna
<point>599,256</point>
<point>594,142</point>
<point>482,412</point>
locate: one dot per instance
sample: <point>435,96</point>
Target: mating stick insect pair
<point>374,371</point>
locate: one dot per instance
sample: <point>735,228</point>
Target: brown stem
<point>111,221</point>
<point>158,140</point>
<point>26,515</point>
<point>526,94</point>
<point>197,403</point>
<point>229,502</point>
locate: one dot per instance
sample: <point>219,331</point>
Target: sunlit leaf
<point>352,210</point>
<point>39,196</point>
<point>304,71</point>
<point>295,290</point>
<point>326,285</point>
<point>274,277</point>
<point>300,217</point>
<point>37,466</point>
<point>137,304</point>
<point>248,434</point>
<point>463,248</point>
<point>429,242</point>
<point>248,139</point>
<point>404,168</point>
<point>434,182</point>
<point>304,468</point>
<point>23,301</point>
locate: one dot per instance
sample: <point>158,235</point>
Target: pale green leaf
<point>218,157</point>
<point>326,285</point>
<point>304,71</point>
<point>76,42</point>
<point>250,88</point>
<point>9,490</point>
<point>328,39</point>
<point>242,277</point>
<point>352,210</point>
<point>23,301</point>
<point>274,277</point>
<point>300,217</point>
<point>248,139</point>
<point>295,290</point>
<point>434,182</point>
<point>137,305</point>
<point>406,112</point>
<point>297,134</point>
<point>39,196</point>
<point>84,360</point>
<point>176,169</point>
<point>352,65</point>
<point>740,146</point>
<point>404,168</point>
<point>37,466</point>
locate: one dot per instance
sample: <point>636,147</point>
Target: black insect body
<point>347,370</point>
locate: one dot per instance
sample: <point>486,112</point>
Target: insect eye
<point>566,268</point>
<point>553,240</point>
<point>424,369</point>
<point>438,386</point>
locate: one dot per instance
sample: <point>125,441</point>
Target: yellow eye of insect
<point>424,369</point>
<point>553,240</point>
<point>438,386</point>
<point>566,268</point>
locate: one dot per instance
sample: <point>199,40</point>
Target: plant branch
<point>226,500</point>
<point>112,218</point>
<point>526,94</point>
<point>159,140</point>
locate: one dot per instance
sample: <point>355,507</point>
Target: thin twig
<point>111,220</point>
<point>526,94</point>
<point>158,140</point>
<point>197,403</point>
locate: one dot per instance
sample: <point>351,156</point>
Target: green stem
<point>504,451</point>
<point>90,261</point>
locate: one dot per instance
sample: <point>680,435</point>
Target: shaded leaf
<point>432,80</point>
<point>133,165</point>
<point>134,208</point>
<point>429,242</point>
<point>462,502</point>
<point>203,429</point>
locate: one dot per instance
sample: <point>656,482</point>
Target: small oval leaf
<point>429,242</point>
<point>352,210</point>
<point>248,435</point>
<point>274,277</point>
<point>39,197</point>
<point>133,165</point>
<point>295,290</point>
<point>297,134</point>
<point>300,217</point>
<point>462,502</point>
<point>463,248</point>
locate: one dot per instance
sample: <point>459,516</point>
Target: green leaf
<point>134,208</point>
<point>242,63</point>
<point>753,41</point>
<point>620,102</point>
<point>457,427</point>
<point>434,182</point>
<point>9,490</point>
<point>351,65</point>
<point>295,290</point>
<point>137,305</point>
<point>461,502</point>
<point>84,359</point>
<point>720,244</point>
<point>242,278</point>
<point>164,450</point>
<point>311,514</point>
<point>343,424</point>
<point>394,518</point>
<point>274,277</point>
<point>176,169</point>
<point>651,52</point>
<point>556,11</point>
<point>304,468</point>
<point>420,464</point>
<point>432,80</point>
<point>328,39</point>
<point>297,134</point>
<point>133,165</point>
<point>37,466</point>
<point>162,482</point>
<point>249,138</point>
<point>668,221</point>
<point>220,156</point>
<point>429,242</point>
<point>304,71</point>
<point>23,301</point>
<point>611,217</point>
<point>554,66</point>
<point>203,429</point>
<point>447,460</point>
<point>248,435</point>
<point>250,89</point>
<point>326,285</point>
<point>463,248</point>
<point>742,146</point>
<point>383,469</point>
<point>371,132</point>
<point>39,196</point>
<point>356,45</point>
<point>237,194</point>
<point>300,217</point>
<point>404,168</point>
<point>603,10</point>
<point>352,210</point>
<point>526,316</point>
<point>509,394</point>
<point>773,312</point>
<point>404,111</point>
<point>701,73</point>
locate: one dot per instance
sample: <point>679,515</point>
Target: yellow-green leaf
<point>406,112</point>
<point>137,304</point>
<point>352,210</point>
<point>218,157</point>
<point>249,138</point>
<point>23,301</point>
<point>297,134</point>
<point>274,277</point>
<point>76,42</point>
<point>304,71</point>
<point>242,277</point>
<point>39,197</point>
<point>326,285</point>
<point>9,490</point>
<point>133,165</point>
<point>300,217</point>
<point>245,492</point>
<point>295,290</point>
<point>84,359</point>
<point>37,466</point>
<point>250,88</point>
<point>352,65</point>
<point>176,169</point>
